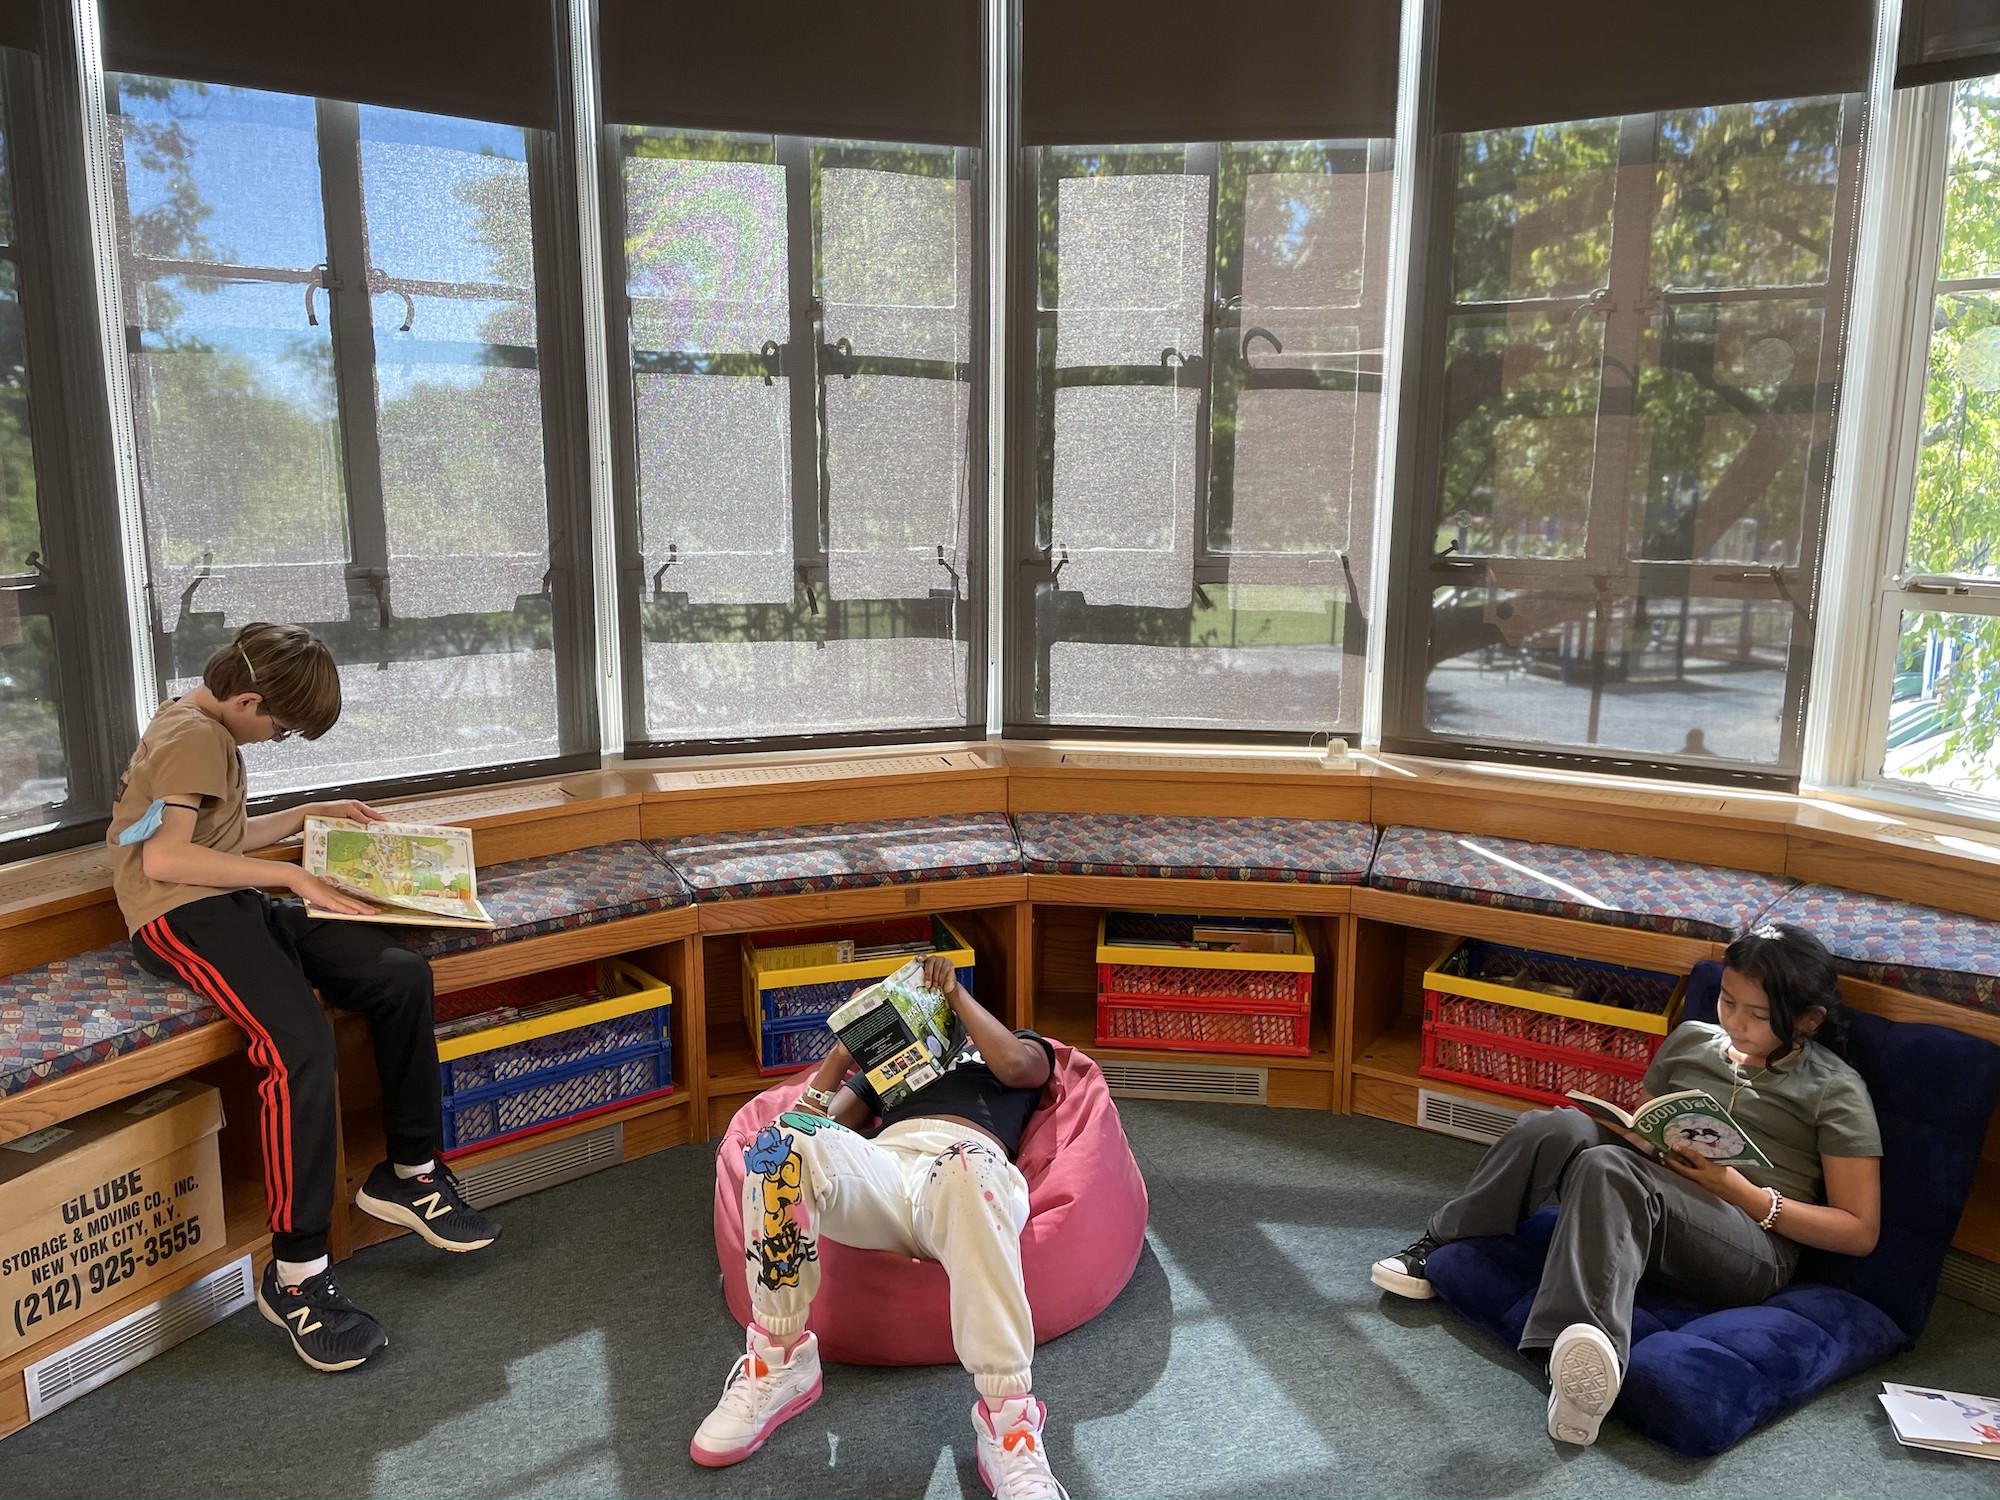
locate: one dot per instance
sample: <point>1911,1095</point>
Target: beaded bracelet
<point>1777,1205</point>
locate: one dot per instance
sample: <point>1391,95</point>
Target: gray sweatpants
<point>1622,1217</point>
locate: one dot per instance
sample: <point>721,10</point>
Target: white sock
<point>299,1272</point>
<point>406,1173</point>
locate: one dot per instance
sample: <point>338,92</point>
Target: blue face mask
<point>147,826</point>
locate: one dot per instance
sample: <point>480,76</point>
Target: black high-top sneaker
<point>1403,1272</point>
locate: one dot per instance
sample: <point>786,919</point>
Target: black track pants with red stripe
<point>260,960</point>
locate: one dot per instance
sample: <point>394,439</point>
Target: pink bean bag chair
<point>1086,1222</point>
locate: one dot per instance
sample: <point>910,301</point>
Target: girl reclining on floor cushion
<point>1724,1235</point>
<point>939,1181</point>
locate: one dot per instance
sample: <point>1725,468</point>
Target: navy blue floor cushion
<point>1701,1378</point>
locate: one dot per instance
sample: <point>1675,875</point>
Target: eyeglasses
<point>280,731</point>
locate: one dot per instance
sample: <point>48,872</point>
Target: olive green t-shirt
<point>1809,1106</point>
<point>183,753</point>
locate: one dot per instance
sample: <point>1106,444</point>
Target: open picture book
<point>899,1031</point>
<point>1690,1122</point>
<point>1943,1421</point>
<point>412,872</point>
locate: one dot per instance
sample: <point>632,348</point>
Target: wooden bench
<point>674,867</point>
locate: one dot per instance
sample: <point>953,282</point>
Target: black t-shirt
<point>970,1090</point>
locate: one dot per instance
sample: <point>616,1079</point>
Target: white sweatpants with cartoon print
<point>921,1187</point>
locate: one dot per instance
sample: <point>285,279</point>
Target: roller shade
<point>876,70</point>
<point>21,25</point>
<point>1531,62</point>
<point>1946,40</point>
<point>1136,72</point>
<point>490,60</point>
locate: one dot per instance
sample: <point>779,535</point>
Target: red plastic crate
<point>1156,1023</point>
<point>1526,1069</point>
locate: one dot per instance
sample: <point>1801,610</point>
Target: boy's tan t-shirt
<point>182,753</point>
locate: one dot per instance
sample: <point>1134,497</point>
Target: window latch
<point>773,356</point>
<point>1937,583</point>
<point>378,283</point>
<point>320,277</point>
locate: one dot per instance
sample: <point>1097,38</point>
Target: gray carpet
<point>1249,1356</point>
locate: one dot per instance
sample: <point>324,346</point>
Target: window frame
<point>80,586</point>
<point>1920,150</point>
<point>639,574</point>
<point>1417,570</point>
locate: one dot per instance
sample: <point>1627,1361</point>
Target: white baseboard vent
<point>1192,1081</point>
<point>531,1171</point>
<point>58,1379</point>
<point>1468,1119</point>
<point>1970,1279</point>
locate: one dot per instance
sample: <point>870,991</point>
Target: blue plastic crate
<point>623,1009</point>
<point>550,1097</point>
<point>524,1061</point>
<point>788,1020</point>
<point>794,1041</point>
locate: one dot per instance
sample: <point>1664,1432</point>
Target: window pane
<point>804,458</point>
<point>412,534</point>
<point>20,522</point>
<point>895,277</point>
<point>1944,712</point>
<point>33,773</point>
<point>706,271</point>
<point>1955,515</point>
<point>1746,194</point>
<point>1729,454</point>
<point>1252,658</point>
<point>1521,448</point>
<point>1639,368</point>
<point>1209,355</point>
<point>1532,214</point>
<point>1972,183</point>
<point>232,385</point>
<point>1676,677</point>
<point>6,187</point>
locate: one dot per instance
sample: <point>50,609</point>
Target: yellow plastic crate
<point>1448,975</point>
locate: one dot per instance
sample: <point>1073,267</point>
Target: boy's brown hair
<point>289,667</point>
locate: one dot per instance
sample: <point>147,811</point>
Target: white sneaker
<point>764,1389</point>
<point>1583,1382</point>
<point>1011,1460</point>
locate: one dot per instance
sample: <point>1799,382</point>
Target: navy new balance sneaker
<point>434,1205</point>
<point>327,1331</point>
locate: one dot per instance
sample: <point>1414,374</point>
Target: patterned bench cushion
<point>63,1017</point>
<point>1176,848</point>
<point>843,856</point>
<point>557,892</point>
<point>1591,885</point>
<point>1943,954</point>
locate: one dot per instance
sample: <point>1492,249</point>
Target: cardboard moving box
<point>97,1207</point>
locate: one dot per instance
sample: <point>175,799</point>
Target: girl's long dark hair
<point>1798,977</point>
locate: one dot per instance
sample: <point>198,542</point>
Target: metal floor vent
<point>58,1379</point>
<point>1166,1080</point>
<point>1449,1114</point>
<point>531,1171</point>
<point>1971,1279</point>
